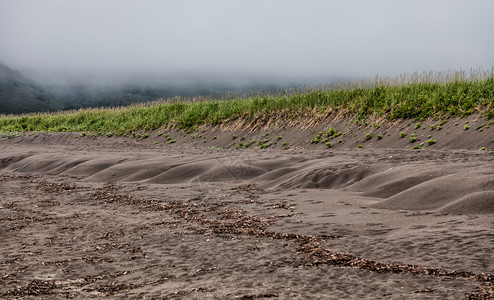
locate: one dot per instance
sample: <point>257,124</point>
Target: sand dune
<point>458,187</point>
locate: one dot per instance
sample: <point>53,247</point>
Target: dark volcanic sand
<point>88,219</point>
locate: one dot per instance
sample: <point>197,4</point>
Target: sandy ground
<point>93,219</point>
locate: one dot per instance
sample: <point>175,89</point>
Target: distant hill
<point>19,94</point>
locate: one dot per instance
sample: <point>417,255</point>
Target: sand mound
<point>474,203</point>
<point>326,177</point>
<point>440,192</point>
<point>396,179</point>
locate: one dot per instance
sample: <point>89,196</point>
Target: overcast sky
<point>276,39</point>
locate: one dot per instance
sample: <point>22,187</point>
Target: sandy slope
<point>98,217</point>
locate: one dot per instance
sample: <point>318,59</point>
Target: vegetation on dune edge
<point>416,100</point>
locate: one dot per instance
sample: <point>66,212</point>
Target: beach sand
<point>92,218</point>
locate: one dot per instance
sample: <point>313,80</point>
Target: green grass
<point>418,100</point>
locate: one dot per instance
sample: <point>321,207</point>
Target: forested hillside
<point>19,94</point>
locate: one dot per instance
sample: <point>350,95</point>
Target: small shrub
<point>340,141</point>
<point>403,134</point>
<point>284,145</point>
<point>482,149</point>
<point>331,131</point>
<point>432,127</point>
<point>278,138</point>
<point>368,137</point>
<point>234,136</point>
<point>172,141</point>
<point>466,127</point>
<point>360,146</point>
<point>329,145</point>
<point>413,139</point>
<point>417,126</point>
<point>431,142</point>
<point>379,136</point>
<point>214,137</point>
<point>417,147</point>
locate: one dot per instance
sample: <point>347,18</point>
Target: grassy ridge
<point>416,100</point>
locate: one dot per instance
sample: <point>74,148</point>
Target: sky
<point>275,40</point>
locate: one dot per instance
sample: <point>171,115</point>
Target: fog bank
<point>280,41</point>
